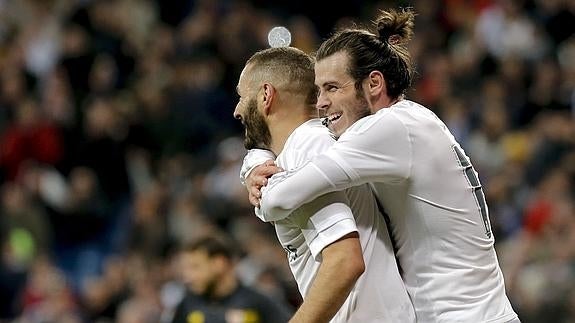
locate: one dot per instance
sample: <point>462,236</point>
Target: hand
<point>258,178</point>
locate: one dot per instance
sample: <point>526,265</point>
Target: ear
<point>376,85</point>
<point>268,96</point>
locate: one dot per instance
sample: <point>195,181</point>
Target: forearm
<point>288,191</point>
<point>377,150</point>
<point>341,266</point>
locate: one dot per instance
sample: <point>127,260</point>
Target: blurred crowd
<point>118,145</point>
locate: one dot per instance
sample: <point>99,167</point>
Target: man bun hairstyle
<point>384,51</point>
<point>395,28</point>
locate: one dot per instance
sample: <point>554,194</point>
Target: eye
<point>331,88</point>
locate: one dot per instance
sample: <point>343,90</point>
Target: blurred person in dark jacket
<point>214,293</point>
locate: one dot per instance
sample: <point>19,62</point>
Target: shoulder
<point>305,142</point>
<point>190,301</point>
<point>246,291</point>
<point>252,296</point>
<point>386,122</point>
<point>395,119</point>
<point>311,134</point>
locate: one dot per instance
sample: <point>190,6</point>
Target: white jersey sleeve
<point>308,141</point>
<point>331,219</point>
<point>252,159</point>
<point>376,148</point>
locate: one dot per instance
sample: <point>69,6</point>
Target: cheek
<point>347,121</point>
<point>194,272</point>
<point>353,112</point>
<point>188,276</point>
<point>198,280</point>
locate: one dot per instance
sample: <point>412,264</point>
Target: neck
<point>281,127</point>
<point>384,102</point>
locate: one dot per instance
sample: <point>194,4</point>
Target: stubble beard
<point>359,110</point>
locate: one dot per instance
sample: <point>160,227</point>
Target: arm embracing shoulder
<point>373,150</point>
<point>287,191</point>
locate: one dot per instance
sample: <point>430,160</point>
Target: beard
<point>257,131</point>
<point>363,107</point>
<point>353,109</point>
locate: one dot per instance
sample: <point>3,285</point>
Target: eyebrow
<point>336,83</point>
<point>324,84</point>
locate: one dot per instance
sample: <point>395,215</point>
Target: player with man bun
<point>419,173</point>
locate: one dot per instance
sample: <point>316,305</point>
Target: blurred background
<point>118,145</point>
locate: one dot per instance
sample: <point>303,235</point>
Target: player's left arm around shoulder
<point>379,151</point>
<point>276,196</point>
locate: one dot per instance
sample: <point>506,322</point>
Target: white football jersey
<point>429,189</point>
<point>379,294</point>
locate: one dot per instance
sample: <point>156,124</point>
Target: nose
<point>322,101</point>
<point>237,114</point>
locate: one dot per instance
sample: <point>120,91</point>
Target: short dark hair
<point>213,245</point>
<point>385,52</point>
<point>291,67</point>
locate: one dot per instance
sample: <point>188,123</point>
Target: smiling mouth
<point>332,118</point>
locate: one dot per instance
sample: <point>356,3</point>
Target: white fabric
<point>254,158</point>
<point>379,295</point>
<point>427,186</point>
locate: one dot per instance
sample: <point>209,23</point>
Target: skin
<point>338,98</point>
